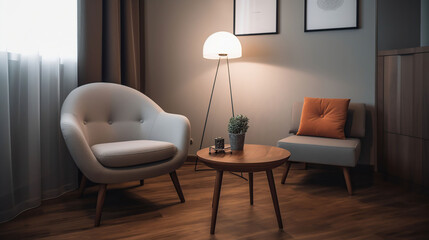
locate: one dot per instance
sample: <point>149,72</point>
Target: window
<point>44,27</point>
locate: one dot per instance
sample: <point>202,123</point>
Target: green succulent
<point>238,124</point>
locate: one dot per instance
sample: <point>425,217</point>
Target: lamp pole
<point>230,88</point>
<point>208,109</point>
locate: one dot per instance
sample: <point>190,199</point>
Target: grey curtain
<point>111,42</point>
<point>34,161</point>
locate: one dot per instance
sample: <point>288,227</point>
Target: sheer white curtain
<point>37,70</point>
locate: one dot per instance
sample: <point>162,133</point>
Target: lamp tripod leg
<point>232,102</point>
<point>208,111</point>
<point>230,88</point>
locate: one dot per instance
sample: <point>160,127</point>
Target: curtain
<point>34,164</point>
<point>38,69</point>
<point>111,42</point>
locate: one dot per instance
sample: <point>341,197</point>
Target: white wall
<point>275,70</point>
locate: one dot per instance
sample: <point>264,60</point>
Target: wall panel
<point>405,106</point>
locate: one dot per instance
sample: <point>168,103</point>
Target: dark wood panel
<point>391,94</point>
<point>424,71</point>
<point>418,92</point>
<point>380,106</point>
<point>391,154</point>
<point>313,205</point>
<point>403,51</point>
<point>425,163</point>
<point>407,99</point>
<point>404,157</point>
<point>404,105</point>
<point>411,150</point>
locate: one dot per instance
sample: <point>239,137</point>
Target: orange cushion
<point>324,117</point>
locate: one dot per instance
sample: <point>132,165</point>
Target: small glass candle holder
<point>219,143</point>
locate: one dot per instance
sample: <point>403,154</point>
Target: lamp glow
<point>222,44</point>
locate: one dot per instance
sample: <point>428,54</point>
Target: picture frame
<point>324,15</point>
<point>255,17</point>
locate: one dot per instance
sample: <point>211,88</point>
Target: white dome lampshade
<point>222,44</point>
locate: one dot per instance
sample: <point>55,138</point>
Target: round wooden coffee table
<point>253,158</point>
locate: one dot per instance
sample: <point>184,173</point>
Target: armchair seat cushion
<point>132,153</point>
<point>320,150</point>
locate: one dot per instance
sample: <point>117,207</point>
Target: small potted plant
<point>237,128</point>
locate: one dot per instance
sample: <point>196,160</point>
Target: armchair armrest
<point>173,128</point>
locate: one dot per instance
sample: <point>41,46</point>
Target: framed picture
<point>321,15</point>
<point>255,17</point>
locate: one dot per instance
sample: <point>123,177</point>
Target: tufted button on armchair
<point>117,134</point>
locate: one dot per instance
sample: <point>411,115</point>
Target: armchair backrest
<point>355,125</point>
<point>108,112</point>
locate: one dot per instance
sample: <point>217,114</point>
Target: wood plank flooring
<point>314,204</point>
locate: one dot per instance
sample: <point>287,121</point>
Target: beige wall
<point>275,70</point>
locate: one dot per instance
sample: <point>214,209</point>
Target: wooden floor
<point>314,204</point>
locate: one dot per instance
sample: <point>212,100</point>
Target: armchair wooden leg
<point>346,172</point>
<point>176,183</point>
<point>285,173</point>
<point>100,202</point>
<point>82,185</point>
<point>142,182</point>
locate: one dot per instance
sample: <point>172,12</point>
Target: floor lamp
<point>217,46</point>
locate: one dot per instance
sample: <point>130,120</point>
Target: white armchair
<point>117,134</point>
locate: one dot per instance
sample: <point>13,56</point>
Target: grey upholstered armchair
<point>117,134</point>
<point>328,151</point>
